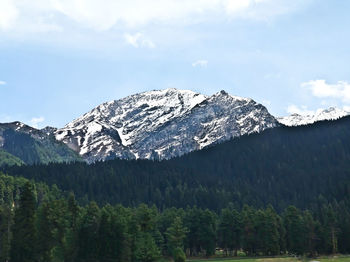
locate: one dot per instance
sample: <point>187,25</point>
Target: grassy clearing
<point>284,259</point>
<point>334,259</point>
<point>246,260</point>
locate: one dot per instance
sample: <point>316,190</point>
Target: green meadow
<point>289,259</point>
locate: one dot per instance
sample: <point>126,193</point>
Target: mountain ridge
<point>331,113</point>
<point>20,142</point>
<point>161,124</point>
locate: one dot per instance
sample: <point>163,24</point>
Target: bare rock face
<point>162,124</point>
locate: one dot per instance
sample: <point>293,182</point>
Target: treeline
<point>303,166</point>
<point>56,228</point>
<point>11,188</point>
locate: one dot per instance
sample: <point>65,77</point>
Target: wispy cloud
<point>200,63</point>
<point>335,95</point>
<point>2,83</point>
<point>35,121</point>
<point>321,89</point>
<point>8,14</point>
<point>138,40</point>
<point>102,15</point>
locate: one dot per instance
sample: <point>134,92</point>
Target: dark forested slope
<point>9,159</point>
<point>31,146</point>
<point>305,166</point>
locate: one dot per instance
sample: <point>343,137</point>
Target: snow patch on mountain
<point>161,124</point>
<point>331,113</point>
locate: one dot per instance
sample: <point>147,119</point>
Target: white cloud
<point>2,83</point>
<point>28,16</point>
<point>320,88</point>
<point>35,121</point>
<point>262,9</point>
<point>300,110</point>
<point>236,6</point>
<point>138,40</point>
<point>102,15</point>
<point>200,63</point>
<point>8,14</point>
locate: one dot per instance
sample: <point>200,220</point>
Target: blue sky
<point>61,58</point>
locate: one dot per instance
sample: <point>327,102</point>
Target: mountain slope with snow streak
<point>331,113</point>
<point>162,124</point>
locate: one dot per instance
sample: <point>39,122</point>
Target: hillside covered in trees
<point>41,223</point>
<point>305,166</point>
<point>22,144</point>
<point>283,191</point>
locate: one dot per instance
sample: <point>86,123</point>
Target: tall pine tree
<point>23,241</point>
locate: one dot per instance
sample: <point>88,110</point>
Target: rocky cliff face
<point>162,124</point>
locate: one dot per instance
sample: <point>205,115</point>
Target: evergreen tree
<point>71,241</point>
<point>6,220</point>
<point>207,232</point>
<point>176,234</point>
<point>269,232</point>
<point>311,233</point>
<point>344,228</point>
<point>296,233</point>
<point>230,230</point>
<point>146,249</point>
<point>249,232</point>
<point>330,229</point>
<point>112,236</point>
<point>282,234</point>
<point>45,239</point>
<point>179,255</point>
<point>23,230</point>
<point>88,234</point>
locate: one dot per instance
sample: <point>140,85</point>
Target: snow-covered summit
<point>161,124</point>
<point>331,113</point>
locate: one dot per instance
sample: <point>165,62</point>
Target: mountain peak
<point>223,92</point>
<point>18,126</point>
<point>161,124</point>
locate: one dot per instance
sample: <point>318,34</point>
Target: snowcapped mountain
<point>162,124</point>
<point>331,113</point>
